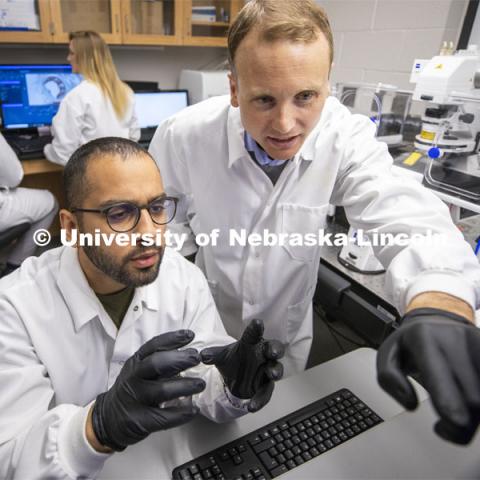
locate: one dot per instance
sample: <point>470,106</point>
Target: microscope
<point>450,133</point>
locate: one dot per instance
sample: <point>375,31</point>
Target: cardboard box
<point>95,15</point>
<point>148,17</point>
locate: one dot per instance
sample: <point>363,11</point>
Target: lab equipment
<point>388,108</point>
<point>31,94</point>
<point>287,443</point>
<point>203,84</point>
<point>358,255</point>
<point>450,133</point>
<point>386,105</point>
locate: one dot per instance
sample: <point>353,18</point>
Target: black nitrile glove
<point>443,349</point>
<point>130,411</point>
<point>250,366</point>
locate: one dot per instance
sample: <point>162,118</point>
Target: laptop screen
<point>153,108</point>
<point>30,94</point>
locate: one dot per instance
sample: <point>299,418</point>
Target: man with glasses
<point>101,345</point>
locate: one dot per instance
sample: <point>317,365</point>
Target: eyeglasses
<point>123,217</point>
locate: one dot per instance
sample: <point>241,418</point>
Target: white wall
<point>377,40</point>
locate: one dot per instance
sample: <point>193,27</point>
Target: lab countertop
<point>470,228</point>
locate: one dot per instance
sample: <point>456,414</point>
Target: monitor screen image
<point>31,94</point>
<point>153,108</point>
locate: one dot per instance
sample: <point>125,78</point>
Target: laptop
<point>152,108</point>
<point>30,96</point>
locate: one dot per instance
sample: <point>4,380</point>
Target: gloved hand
<point>443,349</point>
<point>250,366</point>
<point>130,411</point>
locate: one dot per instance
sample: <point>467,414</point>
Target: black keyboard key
<point>296,450</point>
<point>306,456</point>
<point>299,460</point>
<point>281,447</point>
<point>273,451</point>
<point>265,435</point>
<point>194,469</point>
<point>335,440</point>
<point>281,458</point>
<point>276,472</point>
<point>322,448</point>
<point>288,443</point>
<point>265,445</point>
<point>232,451</point>
<point>314,452</point>
<point>224,456</point>
<point>328,443</point>
<point>241,448</point>
<point>291,464</point>
<point>268,461</point>
<point>256,439</point>
<point>237,459</point>
<point>184,474</point>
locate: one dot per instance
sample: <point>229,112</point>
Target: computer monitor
<point>30,94</point>
<point>153,108</point>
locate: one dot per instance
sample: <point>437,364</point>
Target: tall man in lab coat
<point>272,157</point>
<point>93,338</point>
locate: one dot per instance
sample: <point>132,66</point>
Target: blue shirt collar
<point>261,156</point>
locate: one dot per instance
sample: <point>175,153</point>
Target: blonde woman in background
<point>100,106</point>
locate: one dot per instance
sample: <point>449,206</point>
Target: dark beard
<point>118,271</point>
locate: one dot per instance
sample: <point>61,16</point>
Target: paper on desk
<point>19,14</point>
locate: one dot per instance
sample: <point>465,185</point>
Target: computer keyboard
<point>286,443</point>
<point>25,146</point>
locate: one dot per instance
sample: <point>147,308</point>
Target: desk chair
<point>13,233</point>
<point>7,237</point>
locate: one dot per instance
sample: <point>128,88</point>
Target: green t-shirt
<point>116,304</point>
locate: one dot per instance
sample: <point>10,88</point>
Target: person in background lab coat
<point>20,205</point>
<point>100,106</point>
<point>273,157</point>
<point>92,337</point>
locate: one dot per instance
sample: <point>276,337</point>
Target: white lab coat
<point>21,205</point>
<point>85,114</point>
<point>59,349</point>
<point>202,158</point>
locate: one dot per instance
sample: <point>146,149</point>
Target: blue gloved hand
<point>442,350</point>
<point>250,366</point>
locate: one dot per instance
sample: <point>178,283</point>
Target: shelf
<point>210,24</point>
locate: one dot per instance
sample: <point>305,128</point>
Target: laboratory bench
<point>402,447</point>
<point>360,300</point>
